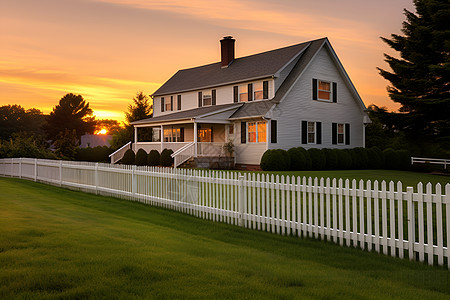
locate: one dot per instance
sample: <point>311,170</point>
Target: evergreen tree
<point>420,78</point>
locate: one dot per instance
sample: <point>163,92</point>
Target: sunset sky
<point>108,50</point>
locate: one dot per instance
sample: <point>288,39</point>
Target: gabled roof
<point>261,65</point>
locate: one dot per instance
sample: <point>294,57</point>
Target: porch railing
<point>183,154</point>
<point>118,154</point>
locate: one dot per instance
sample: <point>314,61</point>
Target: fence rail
<point>382,217</point>
<point>436,161</point>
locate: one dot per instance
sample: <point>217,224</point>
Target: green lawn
<point>407,178</point>
<point>56,243</point>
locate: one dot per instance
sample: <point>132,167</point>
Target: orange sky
<point>107,50</point>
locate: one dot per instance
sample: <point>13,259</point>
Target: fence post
<point>20,167</point>
<point>241,200</point>
<point>96,178</point>
<point>60,173</point>
<point>133,181</point>
<point>411,222</point>
<point>35,170</point>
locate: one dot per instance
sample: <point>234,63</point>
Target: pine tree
<point>420,77</point>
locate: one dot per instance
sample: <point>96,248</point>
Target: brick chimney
<point>227,50</point>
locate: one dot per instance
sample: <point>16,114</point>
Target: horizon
<point>109,50</point>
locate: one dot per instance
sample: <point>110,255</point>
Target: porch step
<point>209,162</point>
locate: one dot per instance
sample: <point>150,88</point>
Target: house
<point>95,140</point>
<point>294,96</point>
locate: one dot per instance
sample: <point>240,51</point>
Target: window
<point>205,135</point>
<point>258,91</point>
<point>243,93</point>
<point>340,134</point>
<point>156,134</point>
<point>311,132</point>
<point>207,98</point>
<point>256,132</point>
<point>172,135</point>
<point>168,104</point>
<point>230,129</point>
<point>324,90</point>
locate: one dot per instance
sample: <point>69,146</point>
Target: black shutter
<point>273,131</point>
<point>334,92</point>
<point>243,132</point>
<point>162,104</point>
<point>334,133</point>
<point>318,132</point>
<point>235,93</point>
<point>265,90</point>
<point>314,89</point>
<point>182,134</point>
<point>200,99</point>
<point>171,102</point>
<point>304,132</point>
<point>347,134</point>
<point>179,102</point>
<point>250,92</point>
<point>213,96</point>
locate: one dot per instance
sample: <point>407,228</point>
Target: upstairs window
<point>324,90</point>
<point>168,104</point>
<point>258,91</point>
<point>207,98</point>
<point>243,93</point>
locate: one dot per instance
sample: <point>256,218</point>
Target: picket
<point>365,214</point>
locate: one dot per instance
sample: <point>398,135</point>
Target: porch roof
<point>191,114</point>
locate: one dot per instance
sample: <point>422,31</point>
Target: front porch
<point>186,140</point>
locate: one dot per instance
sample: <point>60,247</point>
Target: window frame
<point>205,95</point>
<point>256,132</point>
<point>241,93</point>
<point>340,134</point>
<point>314,132</point>
<point>330,91</point>
<point>168,105</point>
<point>255,91</point>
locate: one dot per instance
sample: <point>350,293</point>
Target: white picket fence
<point>373,216</point>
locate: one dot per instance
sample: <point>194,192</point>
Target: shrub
<point>297,158</point>
<point>165,159</point>
<point>153,158</point>
<point>345,161</point>
<point>404,161</point>
<point>378,156</point>
<point>362,157</point>
<point>391,159</point>
<point>331,158</point>
<point>128,158</point>
<point>317,159</point>
<point>374,161</point>
<point>141,157</point>
<point>275,160</point>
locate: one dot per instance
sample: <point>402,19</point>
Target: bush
<point>331,158</point>
<point>404,159</point>
<point>128,158</point>
<point>298,159</point>
<point>165,159</point>
<point>374,160</point>
<point>275,160</point>
<point>391,158</point>
<point>153,158</point>
<point>344,159</point>
<point>141,157</point>
<point>96,154</point>
<point>379,156</point>
<point>363,158</point>
<point>317,158</point>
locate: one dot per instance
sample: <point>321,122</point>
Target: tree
<point>112,126</point>
<point>72,113</point>
<point>66,144</point>
<point>420,78</point>
<point>141,108</point>
<point>15,119</point>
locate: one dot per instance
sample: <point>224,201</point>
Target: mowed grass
<point>406,177</point>
<point>57,243</point>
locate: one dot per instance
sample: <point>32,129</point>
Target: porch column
<point>162,139</point>
<point>195,139</point>
<point>135,135</point>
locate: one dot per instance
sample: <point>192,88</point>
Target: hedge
<point>165,159</point>
<point>275,160</point>
<point>153,158</point>
<point>128,158</point>
<point>141,157</point>
<point>300,159</point>
<point>317,158</point>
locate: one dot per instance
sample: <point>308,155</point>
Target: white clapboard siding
<point>377,216</point>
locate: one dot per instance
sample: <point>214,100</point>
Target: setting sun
<point>102,131</point>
